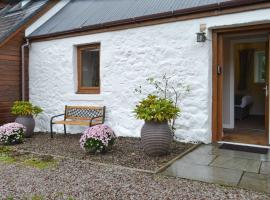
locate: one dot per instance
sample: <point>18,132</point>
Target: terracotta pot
<point>156,138</point>
<point>29,123</point>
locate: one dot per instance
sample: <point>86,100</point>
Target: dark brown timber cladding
<point>10,67</point>
<point>10,76</point>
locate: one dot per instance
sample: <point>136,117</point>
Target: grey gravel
<point>73,179</point>
<point>79,179</point>
<point>126,151</point>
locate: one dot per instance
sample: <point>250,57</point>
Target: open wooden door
<point>219,37</point>
<point>217,126</point>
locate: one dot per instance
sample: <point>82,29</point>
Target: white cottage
<point>96,52</point>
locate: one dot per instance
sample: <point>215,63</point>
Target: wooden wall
<point>10,75</point>
<point>10,68</point>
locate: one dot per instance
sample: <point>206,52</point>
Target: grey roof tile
<point>83,13</point>
<point>11,21</point>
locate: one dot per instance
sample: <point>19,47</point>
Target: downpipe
<point>27,44</point>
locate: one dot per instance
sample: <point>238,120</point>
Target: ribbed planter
<point>28,122</point>
<point>156,138</point>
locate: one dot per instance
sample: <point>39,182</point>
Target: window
<point>259,67</point>
<point>88,69</point>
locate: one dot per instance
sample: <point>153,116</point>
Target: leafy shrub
<point>99,138</point>
<point>157,109</point>
<point>171,88</point>
<point>12,133</point>
<point>25,108</point>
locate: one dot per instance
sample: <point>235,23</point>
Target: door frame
<point>217,60</point>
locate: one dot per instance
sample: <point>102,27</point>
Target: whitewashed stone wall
<point>128,57</point>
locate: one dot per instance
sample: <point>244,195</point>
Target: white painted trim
<point>243,144</point>
<point>45,17</point>
<point>85,97</point>
<point>232,68</point>
<point>228,126</point>
<point>24,2</point>
<point>230,123</point>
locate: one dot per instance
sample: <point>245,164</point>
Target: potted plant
<point>156,134</point>
<point>97,139</point>
<point>159,111</point>
<point>12,133</point>
<point>25,112</point>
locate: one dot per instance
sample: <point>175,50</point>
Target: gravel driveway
<point>73,179</point>
<point>125,152</point>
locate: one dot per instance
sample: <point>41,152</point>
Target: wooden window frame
<point>80,88</point>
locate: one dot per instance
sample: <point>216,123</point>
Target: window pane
<point>260,67</point>
<point>90,68</point>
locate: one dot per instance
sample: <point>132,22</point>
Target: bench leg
<point>65,130</point>
<point>51,130</point>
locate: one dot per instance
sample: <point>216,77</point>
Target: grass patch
<point>4,150</point>
<point>37,197</point>
<point>4,155</point>
<point>9,156</point>
<point>40,163</point>
<point>7,159</point>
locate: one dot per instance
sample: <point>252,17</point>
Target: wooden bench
<point>80,115</point>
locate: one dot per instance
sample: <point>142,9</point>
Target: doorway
<point>240,86</point>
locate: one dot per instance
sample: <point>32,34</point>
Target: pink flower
<point>14,130</point>
<point>100,132</point>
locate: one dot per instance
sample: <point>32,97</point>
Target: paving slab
<point>237,163</point>
<point>206,149</point>
<point>214,150</point>
<point>240,154</point>
<point>210,164</point>
<point>199,159</point>
<point>254,181</point>
<point>265,168</point>
<point>204,173</point>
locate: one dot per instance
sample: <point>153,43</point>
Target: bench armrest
<point>91,120</point>
<point>56,116</point>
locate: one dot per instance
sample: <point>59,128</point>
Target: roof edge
<point>10,33</point>
<point>158,16</point>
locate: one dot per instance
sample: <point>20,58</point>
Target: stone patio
<point>208,163</point>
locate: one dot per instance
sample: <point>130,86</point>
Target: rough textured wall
<point>128,57</point>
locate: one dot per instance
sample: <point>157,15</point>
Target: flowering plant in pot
<point>159,111</point>
<point>97,139</point>
<point>25,112</point>
<point>12,133</point>
<point>156,134</point>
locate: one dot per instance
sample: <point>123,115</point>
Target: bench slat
<point>82,123</point>
<point>83,112</point>
<point>80,115</point>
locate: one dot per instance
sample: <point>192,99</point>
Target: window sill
<point>85,97</point>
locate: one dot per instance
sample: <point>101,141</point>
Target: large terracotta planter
<point>29,123</point>
<point>156,138</point>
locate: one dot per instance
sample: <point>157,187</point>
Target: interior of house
<point>244,89</point>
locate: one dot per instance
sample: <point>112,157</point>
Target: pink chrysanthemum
<point>97,137</point>
<point>11,133</point>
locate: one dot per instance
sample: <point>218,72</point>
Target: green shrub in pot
<point>156,109</point>
<point>156,135</point>
<point>25,108</point>
<point>25,111</point>
<point>159,111</point>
